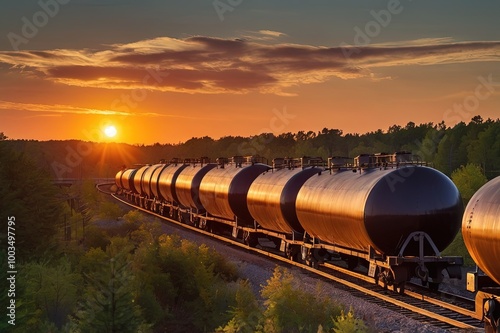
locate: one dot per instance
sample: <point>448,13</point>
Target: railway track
<point>433,309</point>
<point>417,303</point>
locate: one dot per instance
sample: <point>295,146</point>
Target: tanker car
<point>481,233</point>
<point>388,213</point>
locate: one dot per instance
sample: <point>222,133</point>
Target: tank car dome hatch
<point>481,228</point>
<point>381,208</point>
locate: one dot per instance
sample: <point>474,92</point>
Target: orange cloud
<point>57,109</point>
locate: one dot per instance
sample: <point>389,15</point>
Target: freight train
<point>388,214</point>
<point>481,233</point>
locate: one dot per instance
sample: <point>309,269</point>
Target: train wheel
<point>386,277</point>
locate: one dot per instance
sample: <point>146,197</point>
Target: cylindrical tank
<point>223,191</point>
<point>155,181</point>
<point>138,183</point>
<point>146,184</point>
<point>272,195</point>
<point>167,179</point>
<point>118,178</point>
<point>127,180</point>
<point>380,208</point>
<point>187,185</point>
<point>481,228</point>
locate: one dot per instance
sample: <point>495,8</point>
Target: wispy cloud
<point>58,109</point>
<point>272,33</point>
<point>416,42</point>
<point>263,35</point>
<point>215,65</point>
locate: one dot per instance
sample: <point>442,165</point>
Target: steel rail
<point>441,303</point>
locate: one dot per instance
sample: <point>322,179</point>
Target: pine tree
<point>109,304</point>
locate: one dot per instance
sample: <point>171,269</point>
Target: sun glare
<point>110,131</point>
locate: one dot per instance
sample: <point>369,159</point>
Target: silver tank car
<point>127,180</point>
<point>380,208</point>
<point>223,190</point>
<point>271,197</point>
<point>147,180</point>
<point>155,184</point>
<point>138,182</point>
<point>167,179</point>
<point>118,178</point>
<point>187,185</point>
<point>481,228</point>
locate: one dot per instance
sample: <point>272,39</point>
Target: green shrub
<point>348,323</point>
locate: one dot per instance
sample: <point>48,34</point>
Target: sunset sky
<point>165,71</point>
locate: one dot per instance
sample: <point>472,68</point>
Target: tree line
<point>446,148</point>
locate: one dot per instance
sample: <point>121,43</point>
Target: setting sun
<point>110,131</point>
